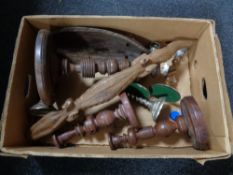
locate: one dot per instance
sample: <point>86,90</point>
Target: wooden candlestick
<point>190,123</point>
<point>102,119</point>
<point>88,67</point>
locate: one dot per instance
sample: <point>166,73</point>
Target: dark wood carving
<point>191,122</point>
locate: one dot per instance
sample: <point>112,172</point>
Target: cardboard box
<point>204,67</point>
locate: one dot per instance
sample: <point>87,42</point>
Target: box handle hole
<point>195,64</point>
<point>204,89</point>
<point>27,86</point>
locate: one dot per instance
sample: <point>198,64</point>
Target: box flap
<point>225,92</point>
<point>7,99</point>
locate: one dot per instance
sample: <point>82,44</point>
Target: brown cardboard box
<point>204,63</point>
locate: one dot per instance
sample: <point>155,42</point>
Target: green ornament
<point>161,90</point>
<point>138,90</point>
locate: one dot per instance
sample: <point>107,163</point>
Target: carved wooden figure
<point>102,119</point>
<point>105,89</point>
<point>191,122</point>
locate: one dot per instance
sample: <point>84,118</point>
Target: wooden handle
<point>48,124</point>
<point>53,120</point>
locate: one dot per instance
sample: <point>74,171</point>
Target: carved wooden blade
<point>48,124</point>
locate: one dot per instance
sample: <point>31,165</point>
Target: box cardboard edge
<point>225,91</point>
<point>226,98</point>
<point>118,16</point>
<point>7,95</point>
<point>88,16</point>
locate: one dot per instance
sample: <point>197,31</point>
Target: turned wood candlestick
<point>102,119</point>
<point>88,67</point>
<point>191,122</point>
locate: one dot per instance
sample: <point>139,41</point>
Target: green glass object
<point>161,90</point>
<point>138,90</point>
